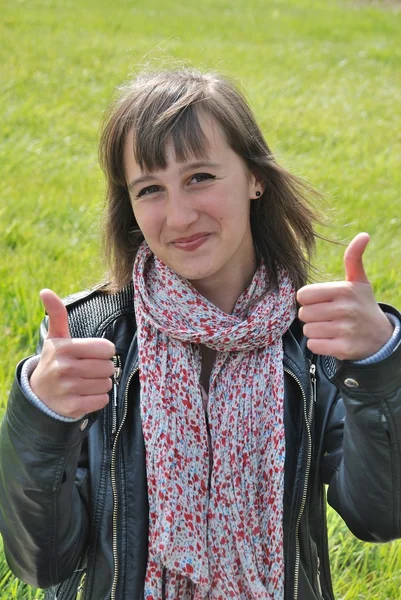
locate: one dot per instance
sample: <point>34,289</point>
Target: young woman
<point>172,438</point>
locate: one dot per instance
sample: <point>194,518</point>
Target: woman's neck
<point>224,291</point>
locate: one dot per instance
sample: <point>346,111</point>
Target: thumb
<point>354,269</point>
<point>57,312</point>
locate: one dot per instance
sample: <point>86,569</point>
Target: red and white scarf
<point>219,537</point>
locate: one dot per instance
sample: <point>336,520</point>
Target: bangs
<point>179,125</point>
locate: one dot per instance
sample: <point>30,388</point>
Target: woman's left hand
<point>342,319</point>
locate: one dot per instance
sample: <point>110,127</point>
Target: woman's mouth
<point>191,243</point>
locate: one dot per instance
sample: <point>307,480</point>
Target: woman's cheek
<point>149,221</point>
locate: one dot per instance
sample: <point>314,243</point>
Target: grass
<point>324,80</point>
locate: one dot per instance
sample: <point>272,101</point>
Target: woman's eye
<point>151,189</point>
<point>198,177</point>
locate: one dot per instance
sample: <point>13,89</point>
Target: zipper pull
<point>116,377</point>
<point>116,383</point>
<point>312,372</point>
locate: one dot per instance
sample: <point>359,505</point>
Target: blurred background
<point>324,79</point>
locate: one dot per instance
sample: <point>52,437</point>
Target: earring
<point>257,194</point>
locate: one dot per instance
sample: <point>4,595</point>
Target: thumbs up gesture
<point>73,376</point>
<point>342,319</point>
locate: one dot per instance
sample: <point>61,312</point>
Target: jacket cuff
<point>40,430</point>
<point>28,368</point>
<point>376,380</point>
<point>388,348</point>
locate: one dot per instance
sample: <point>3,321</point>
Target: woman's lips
<point>191,243</point>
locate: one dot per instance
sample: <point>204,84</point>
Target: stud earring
<point>257,194</point>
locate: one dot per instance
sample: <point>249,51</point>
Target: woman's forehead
<point>212,145</point>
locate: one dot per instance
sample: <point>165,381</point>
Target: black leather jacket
<point>73,496</point>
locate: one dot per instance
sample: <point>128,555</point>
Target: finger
<point>57,312</point>
<point>327,330</point>
<point>95,368</point>
<point>316,293</point>
<point>86,348</point>
<point>87,387</point>
<point>94,402</point>
<point>353,261</point>
<point>83,405</point>
<point>324,311</point>
<point>85,368</point>
<point>327,347</point>
<point>95,386</point>
<point>343,349</point>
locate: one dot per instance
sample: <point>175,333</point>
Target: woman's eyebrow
<point>186,167</point>
<point>142,179</point>
<point>200,164</point>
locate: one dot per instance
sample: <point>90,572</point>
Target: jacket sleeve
<point>43,491</point>
<point>362,459</point>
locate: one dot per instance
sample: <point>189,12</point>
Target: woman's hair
<point>165,105</point>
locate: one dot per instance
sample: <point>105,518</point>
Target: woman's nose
<point>180,212</point>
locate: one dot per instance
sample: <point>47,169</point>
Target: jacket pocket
<point>316,569</point>
<point>71,589</point>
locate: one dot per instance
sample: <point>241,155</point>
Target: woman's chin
<point>193,274</point>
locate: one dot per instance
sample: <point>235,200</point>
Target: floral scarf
<point>214,533</point>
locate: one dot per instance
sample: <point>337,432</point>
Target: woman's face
<point>195,215</point>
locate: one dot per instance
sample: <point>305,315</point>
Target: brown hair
<point>164,105</point>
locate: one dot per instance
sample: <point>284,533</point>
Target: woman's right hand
<point>73,376</point>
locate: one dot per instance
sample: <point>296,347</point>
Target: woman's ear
<point>256,186</point>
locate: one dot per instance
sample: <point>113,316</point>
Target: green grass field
<point>324,80</point>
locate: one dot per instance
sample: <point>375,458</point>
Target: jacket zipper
<point>116,383</point>
<point>313,381</point>
<point>115,438</point>
<point>307,417</point>
<point>312,372</point>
